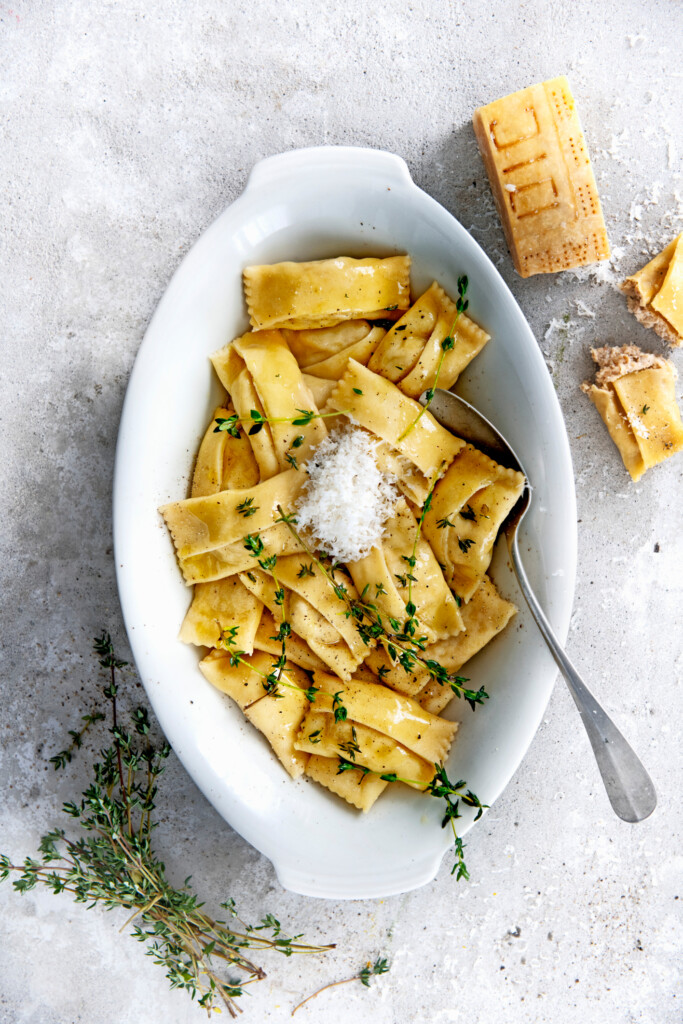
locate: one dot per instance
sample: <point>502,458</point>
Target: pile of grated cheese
<point>347,499</point>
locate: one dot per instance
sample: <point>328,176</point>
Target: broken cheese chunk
<point>536,159</point>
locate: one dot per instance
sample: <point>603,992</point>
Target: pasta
<point>468,507</point>
<point>435,606</point>
<point>655,293</point>
<point>276,715</point>
<point>484,616</point>
<point>410,353</point>
<point>326,351</point>
<point>634,393</point>
<point>335,662</point>
<point>390,713</point>
<point>380,407</point>
<point>308,618</point>
<point>232,558</point>
<point>359,790</point>
<point>269,371</point>
<point>223,463</point>
<point>320,734</point>
<point>323,293</point>
<point>218,606</point>
<point>204,524</point>
<point>298,650</point>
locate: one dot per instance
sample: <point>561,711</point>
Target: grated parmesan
<point>347,499</point>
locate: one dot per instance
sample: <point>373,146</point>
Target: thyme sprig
<point>255,546</point>
<point>247,508</point>
<point>403,647</point>
<point>440,787</point>
<point>114,866</point>
<point>227,640</point>
<point>447,345</point>
<point>380,966</point>
<point>230,424</point>
<point>63,758</point>
<point>338,707</point>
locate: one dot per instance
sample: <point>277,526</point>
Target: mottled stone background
<point>126,128</point>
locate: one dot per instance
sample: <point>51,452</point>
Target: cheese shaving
<point>347,500</point>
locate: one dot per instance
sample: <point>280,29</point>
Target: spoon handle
<point>629,787</point>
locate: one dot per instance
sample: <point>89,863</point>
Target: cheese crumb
<point>347,500</point>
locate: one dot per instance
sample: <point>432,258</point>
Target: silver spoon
<point>629,787</point>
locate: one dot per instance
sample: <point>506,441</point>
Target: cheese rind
<point>537,162</point>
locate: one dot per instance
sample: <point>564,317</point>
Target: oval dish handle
<point>351,160</point>
<point>357,884</point>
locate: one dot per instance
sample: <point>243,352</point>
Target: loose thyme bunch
<point>115,866</point>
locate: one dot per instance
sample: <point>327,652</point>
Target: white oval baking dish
<point>310,204</point>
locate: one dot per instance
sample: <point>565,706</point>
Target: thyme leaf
<point>340,712</point>
<point>247,508</point>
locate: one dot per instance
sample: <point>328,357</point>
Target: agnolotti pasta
<point>323,637</point>
<point>410,354</point>
<point>205,524</point>
<point>359,790</point>
<point>298,650</point>
<point>324,352</point>
<point>378,405</point>
<point>320,734</point>
<point>236,557</point>
<point>655,293</point>
<point>325,292</point>
<point>635,395</point>
<point>392,714</point>
<point>331,659</point>
<point>335,639</point>
<point>276,715</point>
<point>483,617</point>
<point>385,572</point>
<point>468,507</point>
<point>223,462</point>
<point>270,381</point>
<point>220,605</point>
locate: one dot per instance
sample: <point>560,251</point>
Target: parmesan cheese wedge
<point>541,177</point>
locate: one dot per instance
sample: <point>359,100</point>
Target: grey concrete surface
<point>126,128</point>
